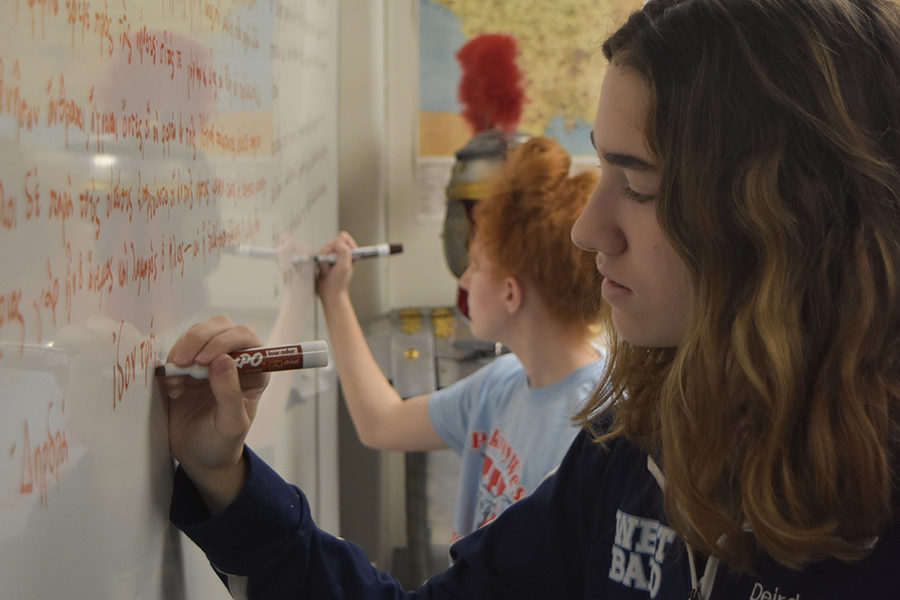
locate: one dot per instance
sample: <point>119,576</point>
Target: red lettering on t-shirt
<point>496,483</point>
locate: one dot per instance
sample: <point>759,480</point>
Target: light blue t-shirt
<point>508,434</point>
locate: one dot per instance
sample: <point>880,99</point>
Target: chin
<point>641,336</point>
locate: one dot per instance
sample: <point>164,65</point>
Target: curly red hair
<point>525,222</point>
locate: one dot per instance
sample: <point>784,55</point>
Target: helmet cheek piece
<point>476,163</point>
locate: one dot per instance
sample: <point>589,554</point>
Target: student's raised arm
<point>209,418</point>
<point>382,418</point>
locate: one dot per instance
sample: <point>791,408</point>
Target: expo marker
<point>383,249</point>
<point>305,355</point>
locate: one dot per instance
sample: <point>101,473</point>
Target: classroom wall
<point>378,158</point>
<point>378,202</point>
<point>369,513</point>
<point>420,234</point>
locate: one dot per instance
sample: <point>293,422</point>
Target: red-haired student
<point>530,289</point>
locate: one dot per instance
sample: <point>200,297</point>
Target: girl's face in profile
<point>645,282</point>
<point>486,288</point>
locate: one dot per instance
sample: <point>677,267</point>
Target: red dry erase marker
<point>305,355</point>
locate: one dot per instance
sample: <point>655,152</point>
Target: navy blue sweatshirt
<point>595,529</point>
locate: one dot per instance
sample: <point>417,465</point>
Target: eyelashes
<point>639,198</point>
<point>630,194</point>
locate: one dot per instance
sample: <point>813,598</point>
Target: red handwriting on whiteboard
<point>38,100</point>
<point>158,48</point>
<point>131,360</point>
<point>145,125</point>
<point>144,267</point>
<point>73,281</point>
<point>99,22</point>
<point>78,12</point>
<point>48,297</point>
<point>10,313</point>
<point>42,464</point>
<point>32,194</point>
<point>61,207</point>
<point>9,210</point>
<point>88,202</point>
<point>116,38</point>
<point>65,111</point>
<point>100,276</point>
<point>13,103</point>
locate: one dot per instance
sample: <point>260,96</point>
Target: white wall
<point>371,506</point>
<point>419,277</point>
<point>378,148</point>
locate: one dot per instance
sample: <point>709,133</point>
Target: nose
<point>463,282</point>
<point>597,229</point>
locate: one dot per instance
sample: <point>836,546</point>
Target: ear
<point>515,294</point>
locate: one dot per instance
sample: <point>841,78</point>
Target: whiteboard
<point>141,142</point>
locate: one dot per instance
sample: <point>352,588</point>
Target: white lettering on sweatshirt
<point>639,551</point>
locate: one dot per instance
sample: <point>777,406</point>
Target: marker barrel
<point>373,251</point>
<point>306,355</point>
<point>384,249</point>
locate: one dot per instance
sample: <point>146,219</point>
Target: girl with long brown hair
<point>747,225</point>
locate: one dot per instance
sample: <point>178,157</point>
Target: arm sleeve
<point>267,539</point>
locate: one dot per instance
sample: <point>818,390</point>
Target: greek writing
<point>41,459</point>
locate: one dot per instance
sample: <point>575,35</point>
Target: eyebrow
<point>624,161</point>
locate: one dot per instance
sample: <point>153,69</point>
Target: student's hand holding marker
<point>334,279</point>
<point>209,418</point>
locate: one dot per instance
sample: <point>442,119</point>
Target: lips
<point>612,281</point>
<point>462,301</point>
<point>613,291</point>
<point>610,288</point>
<point>615,283</point>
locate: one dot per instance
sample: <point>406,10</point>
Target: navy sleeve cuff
<point>268,511</point>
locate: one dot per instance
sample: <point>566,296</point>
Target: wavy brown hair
<point>525,222</point>
<point>776,124</point>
